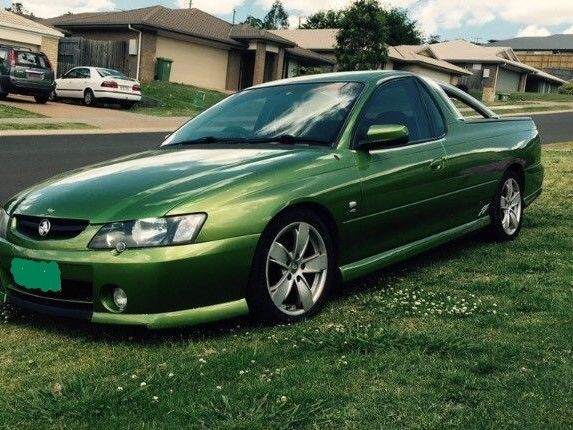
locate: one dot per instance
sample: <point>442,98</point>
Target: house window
<point>476,66</point>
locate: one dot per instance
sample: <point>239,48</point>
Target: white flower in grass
<point>219,387</point>
<point>171,375</point>
<point>155,398</point>
<point>119,388</point>
<point>143,384</point>
<point>202,360</point>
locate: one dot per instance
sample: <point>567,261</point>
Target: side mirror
<point>381,136</point>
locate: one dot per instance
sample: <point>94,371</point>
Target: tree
<point>323,19</point>
<point>433,39</point>
<point>361,41</point>
<point>277,17</point>
<point>254,22</point>
<point>19,9</point>
<point>401,29</point>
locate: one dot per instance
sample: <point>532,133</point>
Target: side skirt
<point>368,265</point>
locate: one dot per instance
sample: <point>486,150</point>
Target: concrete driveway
<point>107,119</point>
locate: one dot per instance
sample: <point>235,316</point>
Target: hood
<point>152,183</point>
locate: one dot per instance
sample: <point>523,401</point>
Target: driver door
<point>402,185</point>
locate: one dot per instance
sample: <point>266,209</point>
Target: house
<point>20,31</point>
<point>207,52</point>
<point>416,59</point>
<point>552,54</point>
<point>494,69</point>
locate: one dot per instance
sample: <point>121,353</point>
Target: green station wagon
<point>265,201</point>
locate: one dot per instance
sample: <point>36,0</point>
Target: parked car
<point>25,72</point>
<point>261,203</point>
<point>96,84</point>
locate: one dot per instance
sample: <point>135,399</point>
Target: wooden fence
<point>77,51</point>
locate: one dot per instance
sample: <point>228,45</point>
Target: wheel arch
<point>519,170</point>
<point>323,213</point>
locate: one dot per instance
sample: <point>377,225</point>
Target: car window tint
<point>436,118</point>
<point>31,59</point>
<point>84,73</point>
<point>72,74</point>
<point>397,102</point>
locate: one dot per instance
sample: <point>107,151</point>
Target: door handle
<point>438,164</point>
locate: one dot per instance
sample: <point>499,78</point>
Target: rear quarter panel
<point>480,151</point>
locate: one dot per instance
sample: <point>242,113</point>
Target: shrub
<point>566,88</point>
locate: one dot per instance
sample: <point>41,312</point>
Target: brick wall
<point>50,48</point>
<point>148,54</point>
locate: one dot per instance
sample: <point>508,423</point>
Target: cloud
<point>533,31</point>
<point>569,30</point>
<point>434,15</point>
<point>48,9</point>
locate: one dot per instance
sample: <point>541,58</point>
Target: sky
<point>475,20</point>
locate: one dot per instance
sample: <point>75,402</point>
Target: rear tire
<point>89,98</point>
<point>506,208</point>
<point>42,99</point>
<point>53,96</point>
<point>3,96</point>
<point>294,268</point>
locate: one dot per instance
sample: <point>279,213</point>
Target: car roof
<point>362,76</point>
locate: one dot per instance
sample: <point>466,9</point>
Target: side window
<point>397,102</point>
<point>84,73</point>
<point>72,74</point>
<point>436,118</point>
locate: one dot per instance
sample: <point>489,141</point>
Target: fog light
<point>120,299</point>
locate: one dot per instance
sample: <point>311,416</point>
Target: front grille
<point>50,307</point>
<point>60,229</point>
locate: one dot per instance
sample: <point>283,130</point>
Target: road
<point>27,160</point>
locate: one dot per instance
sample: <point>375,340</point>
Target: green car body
<point>381,206</point>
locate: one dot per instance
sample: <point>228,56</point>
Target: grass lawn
<point>527,97</point>
<point>177,99</point>
<point>532,109</point>
<point>12,112</point>
<point>472,335</point>
<point>45,126</point>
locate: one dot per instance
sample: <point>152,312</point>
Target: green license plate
<point>37,275</point>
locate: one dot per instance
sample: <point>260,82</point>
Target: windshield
<point>305,113</point>
<point>109,72</point>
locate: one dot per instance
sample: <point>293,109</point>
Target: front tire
<point>89,98</point>
<point>53,96</point>
<point>293,268</point>
<point>3,96</point>
<point>506,210</point>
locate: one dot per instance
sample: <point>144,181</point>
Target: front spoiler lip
<point>190,317</point>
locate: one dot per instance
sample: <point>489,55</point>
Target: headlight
<point>149,233</point>
<point>4,222</point>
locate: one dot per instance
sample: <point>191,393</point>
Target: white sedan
<point>97,84</point>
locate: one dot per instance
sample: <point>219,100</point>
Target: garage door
<point>508,81</point>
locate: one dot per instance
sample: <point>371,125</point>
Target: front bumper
<point>166,287</point>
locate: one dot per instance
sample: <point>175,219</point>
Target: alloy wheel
<point>297,268</point>
<point>510,206</point>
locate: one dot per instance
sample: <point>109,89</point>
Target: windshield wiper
<point>288,139</point>
<point>208,139</point>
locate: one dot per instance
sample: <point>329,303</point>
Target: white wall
<point>195,64</point>
<point>429,73</point>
